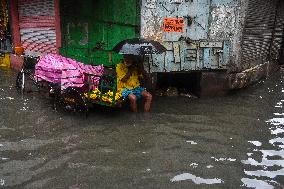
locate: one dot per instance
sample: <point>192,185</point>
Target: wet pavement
<point>235,141</point>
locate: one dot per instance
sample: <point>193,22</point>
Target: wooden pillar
<point>57,24</point>
<point>15,23</point>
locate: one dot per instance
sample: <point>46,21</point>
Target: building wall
<point>232,35</point>
<point>211,30</point>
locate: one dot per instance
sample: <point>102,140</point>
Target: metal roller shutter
<point>37,26</point>
<point>258,32</point>
<point>278,32</point>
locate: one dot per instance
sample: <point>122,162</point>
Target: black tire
<point>55,93</point>
<point>73,99</point>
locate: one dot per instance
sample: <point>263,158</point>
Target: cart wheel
<point>74,100</point>
<point>55,96</point>
<point>20,84</point>
<point>26,83</point>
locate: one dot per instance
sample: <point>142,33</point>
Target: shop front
<point>91,29</point>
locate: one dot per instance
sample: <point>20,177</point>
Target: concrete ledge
<point>217,83</point>
<point>252,75</point>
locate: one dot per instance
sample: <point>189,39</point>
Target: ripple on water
<point>276,121</point>
<point>276,131</point>
<point>26,144</point>
<point>195,179</point>
<point>271,164</point>
<point>254,183</point>
<point>256,143</point>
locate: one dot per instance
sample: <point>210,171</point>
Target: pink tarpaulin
<point>66,71</point>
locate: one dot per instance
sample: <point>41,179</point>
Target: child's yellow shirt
<point>131,83</point>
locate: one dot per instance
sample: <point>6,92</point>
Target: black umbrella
<point>138,46</point>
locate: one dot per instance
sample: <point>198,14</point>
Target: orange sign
<point>173,24</point>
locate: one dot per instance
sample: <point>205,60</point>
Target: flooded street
<point>235,141</point>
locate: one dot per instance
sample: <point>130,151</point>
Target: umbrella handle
<point>149,66</point>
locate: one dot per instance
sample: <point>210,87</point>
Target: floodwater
<point>235,141</point>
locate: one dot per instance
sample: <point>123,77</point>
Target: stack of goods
<point>108,97</point>
<point>66,71</point>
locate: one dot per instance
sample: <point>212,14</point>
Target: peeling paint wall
<point>223,22</point>
<point>235,60</point>
<point>212,29</point>
<point>154,11</point>
<point>151,22</point>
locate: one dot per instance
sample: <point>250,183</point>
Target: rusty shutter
<point>258,32</point>
<point>278,31</point>
<point>37,26</point>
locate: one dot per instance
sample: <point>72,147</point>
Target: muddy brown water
<point>235,141</point>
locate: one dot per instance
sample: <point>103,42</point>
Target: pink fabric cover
<point>66,71</point>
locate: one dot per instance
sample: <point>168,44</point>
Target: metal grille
<point>37,26</point>
<point>278,32</point>
<point>258,32</point>
<point>36,7</point>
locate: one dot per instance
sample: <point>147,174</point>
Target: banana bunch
<point>106,97</point>
<point>94,94</point>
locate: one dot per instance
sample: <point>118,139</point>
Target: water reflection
<point>2,182</point>
<point>267,165</point>
<point>254,183</point>
<point>228,142</point>
<point>256,143</point>
<point>195,179</point>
